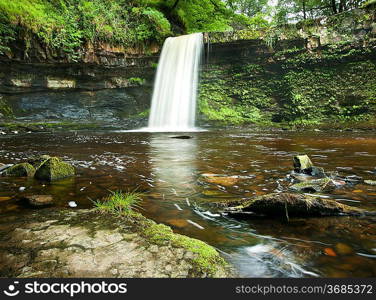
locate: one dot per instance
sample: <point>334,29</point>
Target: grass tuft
<point>119,202</point>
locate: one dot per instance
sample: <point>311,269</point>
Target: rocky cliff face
<point>305,73</point>
<point>76,92</point>
<point>108,84</point>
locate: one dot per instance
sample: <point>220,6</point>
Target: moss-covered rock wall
<point>301,80</point>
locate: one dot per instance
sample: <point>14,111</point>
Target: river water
<point>169,172</point>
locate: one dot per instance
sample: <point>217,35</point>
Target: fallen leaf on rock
<point>330,252</point>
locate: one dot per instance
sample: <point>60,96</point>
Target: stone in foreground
<point>54,169</point>
<point>85,243</point>
<point>286,204</point>
<point>20,170</point>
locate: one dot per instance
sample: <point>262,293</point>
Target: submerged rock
<point>314,186</point>
<point>54,169</point>
<point>39,200</point>
<point>287,204</point>
<point>86,243</point>
<point>20,170</point>
<point>220,179</point>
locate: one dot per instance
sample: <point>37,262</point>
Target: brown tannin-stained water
<point>168,172</point>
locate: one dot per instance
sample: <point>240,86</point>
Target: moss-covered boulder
<point>54,169</point>
<point>314,186</point>
<point>287,205</point>
<point>21,170</point>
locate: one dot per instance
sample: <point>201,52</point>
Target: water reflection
<point>173,163</point>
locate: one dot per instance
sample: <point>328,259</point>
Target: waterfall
<point>173,106</point>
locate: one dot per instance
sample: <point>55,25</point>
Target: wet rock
<point>370,182</point>
<point>303,165</point>
<point>302,162</point>
<point>85,243</point>
<point>20,170</point>
<point>39,200</point>
<point>54,169</point>
<point>289,205</point>
<point>220,179</point>
<point>182,137</point>
<point>317,172</point>
<point>314,186</point>
<point>299,177</point>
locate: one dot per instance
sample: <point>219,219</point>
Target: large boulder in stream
<point>54,169</point>
<point>86,243</point>
<point>20,170</point>
<point>290,205</point>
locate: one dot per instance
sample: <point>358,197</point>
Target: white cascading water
<point>173,106</point>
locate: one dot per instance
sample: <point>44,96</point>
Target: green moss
<point>334,90</point>
<point>54,169</point>
<point>207,259</point>
<point>21,170</point>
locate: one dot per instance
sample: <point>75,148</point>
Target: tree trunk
<point>334,6</point>
<point>304,10</point>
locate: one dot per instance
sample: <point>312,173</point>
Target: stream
<point>168,172</point>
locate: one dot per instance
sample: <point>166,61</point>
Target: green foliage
<point>204,15</point>
<point>136,81</point>
<point>119,202</point>
<point>302,89</point>
<point>65,25</point>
